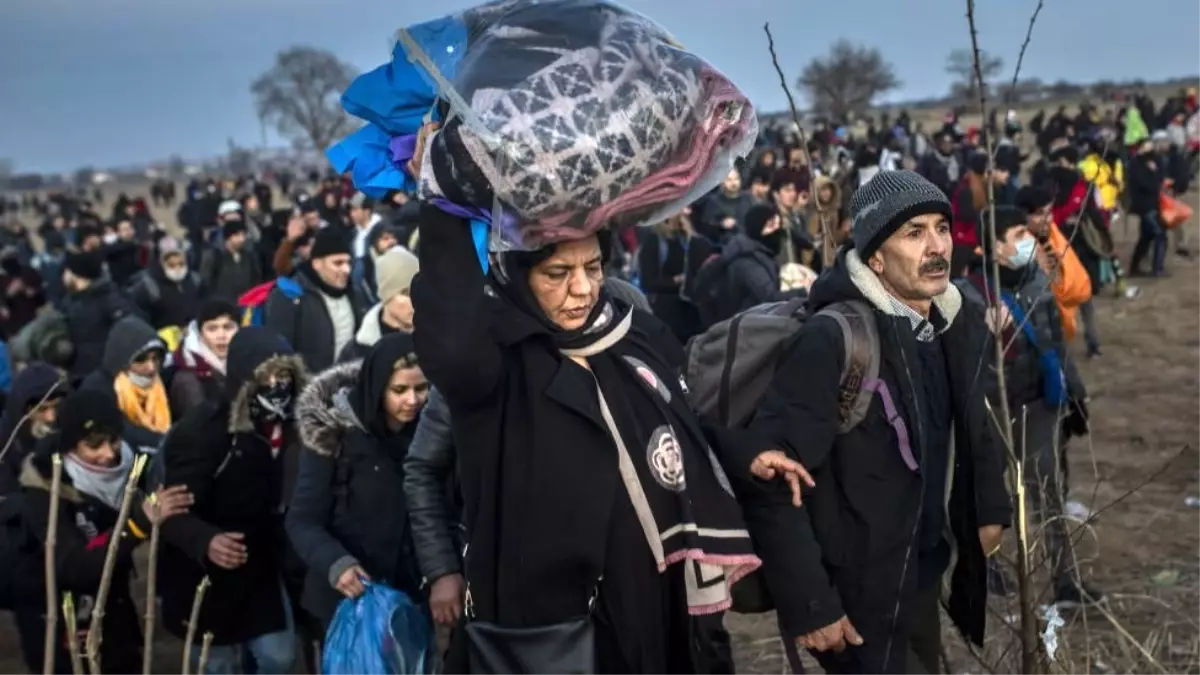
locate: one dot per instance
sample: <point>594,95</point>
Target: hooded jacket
<point>38,381</point>
<point>198,375</point>
<point>165,302</point>
<point>239,485</point>
<point>128,337</point>
<point>347,508</point>
<point>85,526</point>
<point>753,275</point>
<point>859,524</point>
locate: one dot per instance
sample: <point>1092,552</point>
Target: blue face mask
<point>1024,254</point>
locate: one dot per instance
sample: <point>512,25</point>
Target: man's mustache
<point>934,265</point>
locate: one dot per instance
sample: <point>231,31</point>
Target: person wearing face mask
<point>129,372</point>
<point>1042,384</point>
<point>348,521</point>
<point>133,353</point>
<point>573,429</point>
<point>322,321</point>
<point>95,468</point>
<point>36,392</point>
<point>394,273</point>
<point>751,260</point>
<point>197,367</point>
<point>237,455</point>
<point>168,293</point>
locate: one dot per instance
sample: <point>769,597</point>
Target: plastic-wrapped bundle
<point>558,117</point>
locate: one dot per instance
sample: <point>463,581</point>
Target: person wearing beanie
<point>197,366</point>
<point>888,482</point>
<point>168,292</point>
<point>95,466</point>
<point>1042,382</point>
<point>231,267</point>
<point>92,306</point>
<point>322,321</point>
<point>394,273</point>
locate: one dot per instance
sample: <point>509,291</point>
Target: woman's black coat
<point>349,506</point>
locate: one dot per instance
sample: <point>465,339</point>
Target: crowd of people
<point>334,394</point>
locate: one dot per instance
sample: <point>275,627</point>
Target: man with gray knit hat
<point>888,414</point>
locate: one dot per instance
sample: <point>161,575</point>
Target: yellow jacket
<point>1109,180</point>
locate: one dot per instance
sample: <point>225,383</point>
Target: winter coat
<point>164,302</point>
<point>1145,184</point>
<point>128,336</point>
<point>90,315</point>
<point>434,512</point>
<point>23,305</point>
<point>228,276</point>
<point>858,526</point>
<point>753,275</point>
<point>239,486</point>
<point>305,323</point>
<point>122,258</point>
<point>348,508</point>
<point>660,260</point>
<point>36,382</point>
<point>720,206</point>
<point>194,379</point>
<point>370,330</point>
<point>85,526</point>
<point>537,515</point>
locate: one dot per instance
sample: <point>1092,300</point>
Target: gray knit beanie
<point>880,206</point>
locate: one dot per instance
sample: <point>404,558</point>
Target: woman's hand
<point>166,502</point>
<point>446,599</point>
<point>350,584</point>
<point>771,463</point>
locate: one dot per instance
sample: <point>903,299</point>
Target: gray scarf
<point>102,483</point>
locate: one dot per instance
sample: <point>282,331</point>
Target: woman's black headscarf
<point>367,398</point>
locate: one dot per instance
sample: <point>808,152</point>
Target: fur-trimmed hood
<point>851,279</point>
<point>324,413</point>
<point>35,475</point>
<point>255,352</point>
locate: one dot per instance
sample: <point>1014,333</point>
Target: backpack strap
<point>860,359</point>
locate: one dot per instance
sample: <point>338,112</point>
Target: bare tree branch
<point>847,80</point>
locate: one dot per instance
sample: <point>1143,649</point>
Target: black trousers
<point>922,645</point>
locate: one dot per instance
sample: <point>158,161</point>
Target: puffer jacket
<point>434,511</point>
<point>347,509</point>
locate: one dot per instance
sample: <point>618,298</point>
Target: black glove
<point>1076,422</point>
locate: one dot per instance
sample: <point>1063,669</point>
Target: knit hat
<point>215,308</point>
<point>756,218</point>
<point>879,207</point>
<point>168,245</point>
<point>394,272</point>
<point>85,413</point>
<point>1033,198</point>
<point>329,241</point>
<point>1007,217</point>
<point>232,227</point>
<point>978,162</point>
<point>229,206</point>
<point>86,265</point>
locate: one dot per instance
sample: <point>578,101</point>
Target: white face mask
<point>1024,254</point>
<point>140,381</point>
<point>110,238</point>
<point>175,274</point>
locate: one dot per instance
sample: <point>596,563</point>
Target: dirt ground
<point>1141,549</point>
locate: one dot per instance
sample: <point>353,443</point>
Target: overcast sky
<point>110,82</point>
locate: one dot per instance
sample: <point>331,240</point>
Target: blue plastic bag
<point>382,632</point>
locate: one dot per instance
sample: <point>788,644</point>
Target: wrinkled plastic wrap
<point>560,117</point>
<point>381,632</point>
